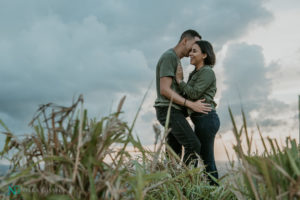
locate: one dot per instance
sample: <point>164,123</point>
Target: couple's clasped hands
<point>197,106</point>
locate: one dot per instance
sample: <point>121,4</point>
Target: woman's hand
<point>179,74</point>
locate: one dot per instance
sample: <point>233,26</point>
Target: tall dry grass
<point>70,156</point>
<point>274,174</point>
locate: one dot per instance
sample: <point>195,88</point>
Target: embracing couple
<point>195,99</point>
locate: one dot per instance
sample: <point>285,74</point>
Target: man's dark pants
<point>181,133</point>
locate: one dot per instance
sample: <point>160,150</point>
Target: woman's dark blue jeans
<point>206,127</point>
<point>181,133</point>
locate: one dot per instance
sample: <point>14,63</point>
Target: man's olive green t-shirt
<point>166,67</point>
<point>201,85</point>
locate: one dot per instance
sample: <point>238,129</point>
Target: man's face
<point>189,44</point>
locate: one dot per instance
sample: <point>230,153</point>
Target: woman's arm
<point>201,81</point>
<point>165,90</point>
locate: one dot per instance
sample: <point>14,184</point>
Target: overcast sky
<point>52,51</point>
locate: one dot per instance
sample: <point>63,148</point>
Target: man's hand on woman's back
<point>199,106</point>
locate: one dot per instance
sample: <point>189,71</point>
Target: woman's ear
<point>204,56</point>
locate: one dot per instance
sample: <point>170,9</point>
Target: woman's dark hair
<point>208,49</point>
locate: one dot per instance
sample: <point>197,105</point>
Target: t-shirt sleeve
<point>167,66</point>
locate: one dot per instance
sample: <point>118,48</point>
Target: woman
<point>202,85</point>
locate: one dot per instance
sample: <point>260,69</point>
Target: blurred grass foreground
<point>70,156</point>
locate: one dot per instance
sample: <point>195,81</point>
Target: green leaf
<point>293,163</point>
<point>4,126</point>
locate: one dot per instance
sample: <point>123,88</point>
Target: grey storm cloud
<point>53,50</point>
<point>248,86</point>
<point>147,25</point>
<point>53,59</point>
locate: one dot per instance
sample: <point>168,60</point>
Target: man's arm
<point>165,90</point>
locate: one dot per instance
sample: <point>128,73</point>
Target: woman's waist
<point>212,112</point>
<point>212,105</point>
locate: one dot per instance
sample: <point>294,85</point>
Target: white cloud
<point>249,87</point>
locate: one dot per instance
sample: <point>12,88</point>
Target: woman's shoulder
<point>206,72</point>
<point>206,69</point>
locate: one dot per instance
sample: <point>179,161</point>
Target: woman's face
<point>196,55</point>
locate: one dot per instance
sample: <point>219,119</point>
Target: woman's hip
<point>206,123</point>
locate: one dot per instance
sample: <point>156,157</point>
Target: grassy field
<point>70,156</point>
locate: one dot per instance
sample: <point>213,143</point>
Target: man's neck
<point>178,51</point>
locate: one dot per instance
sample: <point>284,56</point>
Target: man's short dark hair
<point>189,34</point>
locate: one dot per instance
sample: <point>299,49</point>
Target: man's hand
<point>165,90</point>
<point>199,106</point>
<point>179,74</point>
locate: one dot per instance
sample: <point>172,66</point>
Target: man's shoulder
<point>169,54</point>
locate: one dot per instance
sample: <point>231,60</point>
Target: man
<point>167,89</point>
